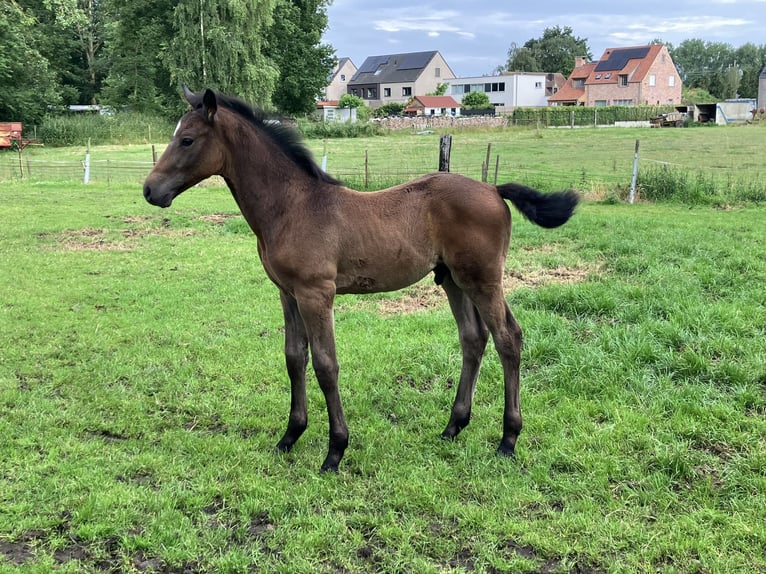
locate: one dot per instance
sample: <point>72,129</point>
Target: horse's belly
<point>377,280</point>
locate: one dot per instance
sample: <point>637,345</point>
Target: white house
<point>509,90</point>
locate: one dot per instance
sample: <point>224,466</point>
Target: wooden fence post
<point>485,166</point>
<point>445,149</point>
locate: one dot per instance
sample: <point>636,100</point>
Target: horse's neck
<point>261,186</point>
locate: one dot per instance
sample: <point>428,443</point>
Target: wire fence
<point>731,164</point>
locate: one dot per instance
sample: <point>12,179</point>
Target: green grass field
<point>142,389</point>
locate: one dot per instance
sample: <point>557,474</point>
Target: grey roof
<point>392,68</point>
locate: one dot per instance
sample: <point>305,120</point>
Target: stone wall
<point>420,123</point>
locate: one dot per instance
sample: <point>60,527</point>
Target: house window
<point>407,91</point>
<point>623,102</point>
<point>354,92</point>
<point>652,80</point>
<point>438,72</point>
<point>372,93</point>
<point>538,85</point>
<point>343,77</point>
<point>671,81</point>
<point>387,92</point>
<point>600,103</point>
<point>623,80</point>
<point>578,83</point>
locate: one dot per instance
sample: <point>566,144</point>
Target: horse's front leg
<point>296,358</point>
<point>315,306</point>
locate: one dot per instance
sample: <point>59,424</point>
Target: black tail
<point>544,209</point>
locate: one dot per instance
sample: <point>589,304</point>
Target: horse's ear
<point>209,104</point>
<point>193,99</point>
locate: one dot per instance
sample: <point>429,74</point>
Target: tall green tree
<point>554,51</point>
<point>295,47</point>
<point>220,44</point>
<point>85,20</point>
<point>27,85</point>
<point>522,59</point>
<point>62,50</point>
<point>707,65</point>
<point>136,37</point>
<point>751,59</point>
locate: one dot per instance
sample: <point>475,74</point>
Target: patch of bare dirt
<point>92,239</point>
<point>426,296</point>
<point>537,277</point>
<point>218,218</point>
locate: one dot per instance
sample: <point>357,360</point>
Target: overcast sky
<point>474,35</point>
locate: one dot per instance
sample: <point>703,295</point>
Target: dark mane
<point>287,138</point>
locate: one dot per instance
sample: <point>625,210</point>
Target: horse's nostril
<point>147,192</point>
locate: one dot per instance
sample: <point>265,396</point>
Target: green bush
<point>561,116</point>
<point>320,130</point>
<point>116,129</point>
<point>663,184</point>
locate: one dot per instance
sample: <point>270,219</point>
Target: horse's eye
<point>186,142</point>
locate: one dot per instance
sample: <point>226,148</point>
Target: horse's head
<point>195,152</point>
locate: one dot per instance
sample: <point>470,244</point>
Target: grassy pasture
<point>142,389</point>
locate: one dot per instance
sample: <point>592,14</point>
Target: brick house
<point>622,77</point>
<point>399,77</point>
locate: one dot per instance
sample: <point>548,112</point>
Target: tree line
<point>712,70</point>
<point>134,54</point>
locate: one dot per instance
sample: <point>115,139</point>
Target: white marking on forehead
<point>177,126</point>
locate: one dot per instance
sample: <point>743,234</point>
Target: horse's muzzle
<point>163,201</point>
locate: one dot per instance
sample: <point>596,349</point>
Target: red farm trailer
<point>10,136</point>
<point>10,132</point>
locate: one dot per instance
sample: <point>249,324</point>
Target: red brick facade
<point>624,76</point>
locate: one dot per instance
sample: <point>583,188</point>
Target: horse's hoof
<point>283,447</point>
<point>447,435</point>
<point>507,451</point>
<point>328,469</point>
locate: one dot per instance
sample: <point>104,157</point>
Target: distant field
<point>142,388</point>
<point>727,161</point>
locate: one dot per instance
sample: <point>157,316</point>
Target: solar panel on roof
<point>618,59</point>
<point>416,61</point>
<point>373,63</point>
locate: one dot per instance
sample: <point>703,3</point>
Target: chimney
<point>579,62</point>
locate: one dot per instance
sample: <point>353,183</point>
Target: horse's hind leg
<point>296,359</point>
<point>506,335</point>
<point>473,340</point>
